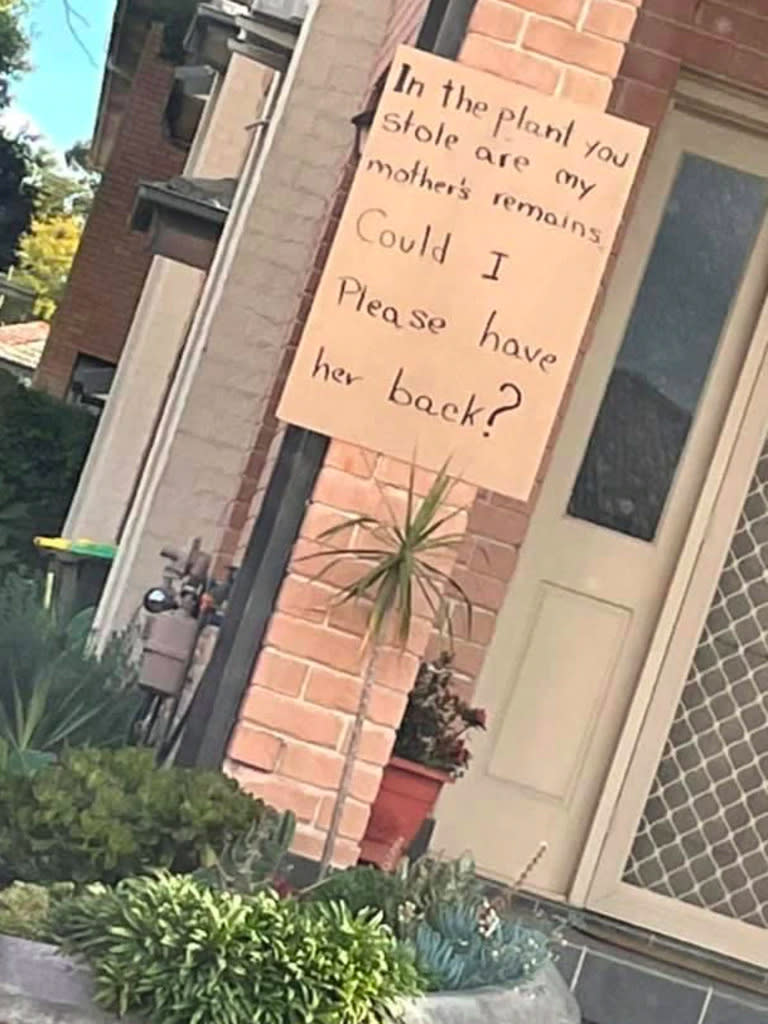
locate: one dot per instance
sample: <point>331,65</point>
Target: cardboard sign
<point>463,273</point>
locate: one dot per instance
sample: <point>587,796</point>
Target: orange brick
<point>309,843</point>
<point>468,657</point>
<point>496,19</point>
<point>398,474</point>
<point>354,817</point>
<point>313,642</point>
<point>591,90</point>
<point>346,492</point>
<point>483,625</point>
<point>333,690</point>
<point>278,673</point>
<point>488,55</point>
<point>611,20</point>
<point>255,748</point>
<point>293,717</point>
<point>351,616</point>
<point>309,763</point>
<point>304,598</point>
<point>285,795</point>
<point>501,524</point>
<point>564,10</point>
<point>482,590</point>
<point>350,458</point>
<point>571,47</point>
<point>494,559</point>
<point>387,706</point>
<point>366,781</point>
<point>321,518</point>
<point>376,743</point>
<point>396,670</point>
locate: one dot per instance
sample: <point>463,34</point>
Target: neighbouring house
<point>621,613</point>
<point>21,348</point>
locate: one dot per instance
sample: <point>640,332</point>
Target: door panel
<point>562,621</point>
<point>625,478</point>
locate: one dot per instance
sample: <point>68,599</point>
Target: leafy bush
<point>53,690</point>
<point>25,909</point>
<point>102,815</point>
<point>413,891</point>
<point>43,444</point>
<point>466,945</point>
<point>177,952</point>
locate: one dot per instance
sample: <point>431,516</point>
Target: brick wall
<point>109,270</point>
<point>290,741</point>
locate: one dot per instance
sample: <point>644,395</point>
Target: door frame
<point>597,883</point>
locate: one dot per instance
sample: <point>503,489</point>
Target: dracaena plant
<point>399,563</point>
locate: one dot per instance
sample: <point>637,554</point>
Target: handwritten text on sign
<point>463,272</point>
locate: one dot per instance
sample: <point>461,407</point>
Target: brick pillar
<point>108,272</point>
<point>289,743</point>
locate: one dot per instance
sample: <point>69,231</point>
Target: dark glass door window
<point>709,227</point>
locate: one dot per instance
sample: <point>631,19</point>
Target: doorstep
<point>622,975</point>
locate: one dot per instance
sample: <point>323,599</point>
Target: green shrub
<point>174,951</point>
<point>420,886</point>
<point>466,945</point>
<point>54,691</point>
<point>43,444</point>
<point>25,909</point>
<point>102,815</point>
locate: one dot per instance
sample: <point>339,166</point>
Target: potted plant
<point>430,750</point>
<point>399,558</point>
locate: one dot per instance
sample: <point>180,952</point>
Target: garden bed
<point>38,985</point>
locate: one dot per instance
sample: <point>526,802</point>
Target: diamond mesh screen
<point>703,837</point>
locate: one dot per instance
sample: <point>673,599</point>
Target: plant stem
<point>345,783</point>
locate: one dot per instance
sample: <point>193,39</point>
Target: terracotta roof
<point>23,344</point>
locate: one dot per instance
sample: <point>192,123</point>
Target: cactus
<point>253,860</point>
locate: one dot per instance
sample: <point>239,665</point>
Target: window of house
<point>91,381</point>
<point>709,227</point>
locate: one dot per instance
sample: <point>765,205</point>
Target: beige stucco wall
<point>161,322</point>
<point>251,298</point>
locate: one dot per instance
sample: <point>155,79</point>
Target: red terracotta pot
<point>406,798</point>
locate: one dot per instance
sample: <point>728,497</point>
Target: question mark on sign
<point>505,408</point>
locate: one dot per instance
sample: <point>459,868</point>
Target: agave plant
<point>400,563</point>
<point>55,692</point>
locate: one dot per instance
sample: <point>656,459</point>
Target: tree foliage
<point>46,252</point>
<point>43,444</point>
<point>18,194</point>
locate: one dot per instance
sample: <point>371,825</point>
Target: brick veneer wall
<point>294,724</point>
<point>108,273</point>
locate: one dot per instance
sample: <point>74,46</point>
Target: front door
<point>625,479</point>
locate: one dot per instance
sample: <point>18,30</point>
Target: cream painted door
<point>625,478</point>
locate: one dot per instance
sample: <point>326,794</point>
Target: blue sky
<point>58,97</point>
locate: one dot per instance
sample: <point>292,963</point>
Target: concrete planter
<point>544,1000</point>
<point>40,986</point>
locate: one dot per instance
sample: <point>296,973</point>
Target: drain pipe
<point>214,708</point>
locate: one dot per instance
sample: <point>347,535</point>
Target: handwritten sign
<point>463,273</point>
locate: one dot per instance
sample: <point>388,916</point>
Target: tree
<point>14,45</point>
<point>45,257</point>
<point>18,194</point>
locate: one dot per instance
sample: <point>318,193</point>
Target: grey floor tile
<point>611,992</point>
<point>723,1010</point>
<point>567,958</point>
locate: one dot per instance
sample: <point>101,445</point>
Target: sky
<point>57,98</point>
